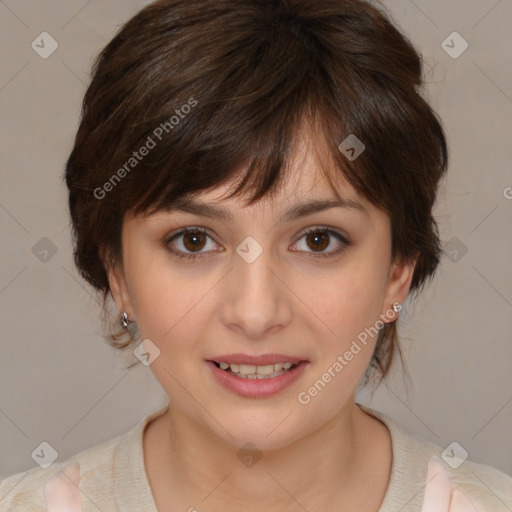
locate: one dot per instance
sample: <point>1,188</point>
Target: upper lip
<point>262,360</point>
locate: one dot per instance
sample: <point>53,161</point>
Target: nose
<point>255,300</point>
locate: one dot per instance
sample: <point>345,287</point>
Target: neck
<point>325,467</point>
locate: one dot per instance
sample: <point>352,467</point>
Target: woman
<point>252,184</point>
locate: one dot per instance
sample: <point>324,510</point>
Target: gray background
<point>60,383</point>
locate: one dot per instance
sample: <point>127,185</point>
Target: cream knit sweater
<point>113,477</point>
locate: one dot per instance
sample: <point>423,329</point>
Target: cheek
<point>350,302</point>
<point>153,292</point>
<point>350,308</point>
<point>168,301</point>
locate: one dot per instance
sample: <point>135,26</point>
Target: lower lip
<point>256,388</point>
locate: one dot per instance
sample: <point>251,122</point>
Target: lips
<point>261,360</point>
<point>256,388</point>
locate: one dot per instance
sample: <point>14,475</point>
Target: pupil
<point>318,238</point>
<point>196,237</point>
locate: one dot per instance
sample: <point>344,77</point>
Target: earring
<point>124,320</point>
<point>397,307</point>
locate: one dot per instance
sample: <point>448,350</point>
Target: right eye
<point>192,238</point>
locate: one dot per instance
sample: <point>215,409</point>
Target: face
<point>309,288</point>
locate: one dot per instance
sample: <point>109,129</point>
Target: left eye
<point>320,239</point>
<point>194,239</point>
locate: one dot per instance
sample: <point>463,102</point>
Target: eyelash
<point>198,256</point>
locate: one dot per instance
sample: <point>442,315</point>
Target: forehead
<point>310,193</point>
<point>298,184</point>
<point>311,173</point>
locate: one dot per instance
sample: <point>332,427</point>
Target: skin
<point>326,455</point>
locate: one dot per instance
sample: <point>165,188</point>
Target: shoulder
<point>112,477</point>
<point>24,491</point>
<point>489,489</point>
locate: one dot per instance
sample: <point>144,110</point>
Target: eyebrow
<point>302,209</point>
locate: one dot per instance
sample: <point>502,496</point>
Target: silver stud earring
<point>124,320</point>
<point>397,307</point>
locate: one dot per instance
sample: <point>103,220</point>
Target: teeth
<point>265,370</point>
<point>246,369</point>
<point>250,371</point>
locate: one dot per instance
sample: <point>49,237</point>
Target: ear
<point>118,287</point>
<point>399,284</point>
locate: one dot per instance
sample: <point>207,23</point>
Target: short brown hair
<point>219,86</point>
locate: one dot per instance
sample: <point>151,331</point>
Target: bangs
<point>255,164</point>
<point>245,128</point>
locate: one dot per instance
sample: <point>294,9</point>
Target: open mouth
<point>257,381</point>
<point>256,372</point>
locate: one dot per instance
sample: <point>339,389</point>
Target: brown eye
<point>189,243</point>
<point>194,240</point>
<point>317,240</point>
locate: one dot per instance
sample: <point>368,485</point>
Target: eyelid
<point>328,229</point>
<point>184,231</point>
